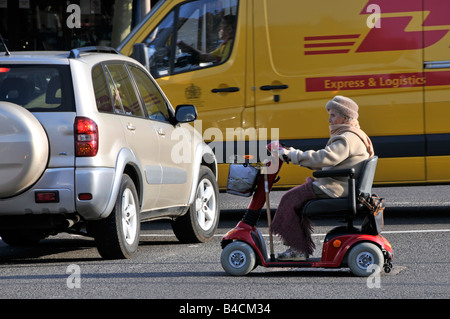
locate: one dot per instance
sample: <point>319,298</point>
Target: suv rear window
<point>38,88</point>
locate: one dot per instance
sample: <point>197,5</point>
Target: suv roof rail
<point>76,53</point>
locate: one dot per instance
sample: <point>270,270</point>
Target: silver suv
<point>90,144</point>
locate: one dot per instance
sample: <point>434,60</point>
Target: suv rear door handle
<point>131,127</point>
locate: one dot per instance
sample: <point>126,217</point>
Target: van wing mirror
<point>140,54</point>
<point>185,113</point>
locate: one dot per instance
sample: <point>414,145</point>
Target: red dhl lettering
<point>377,81</point>
<point>402,81</point>
<point>392,36</point>
<point>345,84</point>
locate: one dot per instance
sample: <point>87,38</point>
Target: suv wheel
<point>199,224</point>
<point>117,236</point>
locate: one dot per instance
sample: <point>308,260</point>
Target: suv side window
<point>154,102</point>
<point>123,90</point>
<point>118,109</point>
<point>102,93</point>
<point>193,35</point>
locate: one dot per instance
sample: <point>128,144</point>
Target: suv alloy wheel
<point>117,236</point>
<point>200,222</point>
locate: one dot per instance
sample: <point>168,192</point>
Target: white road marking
<point>319,235</point>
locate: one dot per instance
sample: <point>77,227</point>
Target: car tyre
<point>200,223</point>
<point>117,236</point>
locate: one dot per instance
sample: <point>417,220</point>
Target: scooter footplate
<point>293,264</point>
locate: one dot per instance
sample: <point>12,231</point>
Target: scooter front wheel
<point>238,258</point>
<point>365,259</point>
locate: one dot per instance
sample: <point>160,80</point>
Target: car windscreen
<point>38,88</point>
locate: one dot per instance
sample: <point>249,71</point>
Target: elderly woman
<point>347,147</point>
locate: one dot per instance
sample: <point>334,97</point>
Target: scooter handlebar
<point>275,147</point>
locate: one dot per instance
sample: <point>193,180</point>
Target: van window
<point>154,102</point>
<point>159,46</point>
<point>203,37</point>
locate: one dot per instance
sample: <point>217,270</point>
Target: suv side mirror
<point>185,113</point>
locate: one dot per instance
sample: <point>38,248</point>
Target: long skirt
<point>288,223</point>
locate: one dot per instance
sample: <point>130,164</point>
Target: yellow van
<point>286,58</point>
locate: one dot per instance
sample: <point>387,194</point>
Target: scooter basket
<point>242,179</point>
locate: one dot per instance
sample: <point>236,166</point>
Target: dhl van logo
<point>394,33</point>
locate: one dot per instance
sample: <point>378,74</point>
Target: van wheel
<point>117,236</point>
<point>365,259</point>
<point>199,224</point>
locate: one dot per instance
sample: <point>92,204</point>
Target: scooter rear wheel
<point>365,259</point>
<point>238,258</point>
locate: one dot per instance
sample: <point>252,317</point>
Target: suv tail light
<point>86,137</point>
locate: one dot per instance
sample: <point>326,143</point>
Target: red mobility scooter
<point>364,250</point>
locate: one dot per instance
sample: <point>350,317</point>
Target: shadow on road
<point>52,249</point>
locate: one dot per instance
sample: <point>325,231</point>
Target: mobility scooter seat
<point>346,207</point>
<point>327,208</point>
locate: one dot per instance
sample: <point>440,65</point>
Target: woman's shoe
<point>291,255</point>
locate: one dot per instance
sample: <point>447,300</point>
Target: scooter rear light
<point>86,137</point>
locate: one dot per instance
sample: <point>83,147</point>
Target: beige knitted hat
<point>344,106</point>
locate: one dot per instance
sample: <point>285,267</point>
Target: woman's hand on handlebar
<point>284,154</point>
<point>277,150</point>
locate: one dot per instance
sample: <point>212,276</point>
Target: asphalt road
<point>69,267</point>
